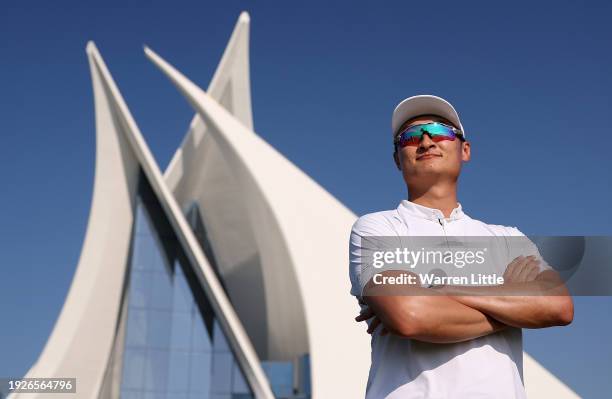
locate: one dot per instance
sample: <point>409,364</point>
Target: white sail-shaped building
<point>226,276</point>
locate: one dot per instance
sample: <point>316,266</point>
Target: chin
<point>429,168</point>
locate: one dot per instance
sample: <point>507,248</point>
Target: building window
<point>174,346</point>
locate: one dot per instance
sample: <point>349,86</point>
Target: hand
<point>367,314</point>
<point>522,269</point>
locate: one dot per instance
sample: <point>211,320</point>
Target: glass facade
<point>174,346</point>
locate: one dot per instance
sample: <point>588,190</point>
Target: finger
<point>526,268</point>
<point>520,267</point>
<point>532,265</point>
<point>375,323</point>
<point>517,259</point>
<point>535,262</point>
<point>510,273</point>
<point>523,261</point>
<point>366,314</point>
<point>535,270</point>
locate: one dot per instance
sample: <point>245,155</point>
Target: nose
<point>426,143</point>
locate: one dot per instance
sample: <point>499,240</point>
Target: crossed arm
<point>527,299</point>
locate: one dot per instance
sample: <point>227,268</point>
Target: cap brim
<point>423,105</point>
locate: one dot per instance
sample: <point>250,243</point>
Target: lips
<point>427,156</point>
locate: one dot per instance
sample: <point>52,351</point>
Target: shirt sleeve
<point>363,239</point>
<point>520,244</point>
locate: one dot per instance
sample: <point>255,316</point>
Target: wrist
<point>496,325</point>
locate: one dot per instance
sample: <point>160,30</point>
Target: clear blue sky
<point>531,82</point>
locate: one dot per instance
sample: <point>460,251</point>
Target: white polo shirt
<point>487,367</point>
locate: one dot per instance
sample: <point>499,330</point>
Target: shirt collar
<point>420,211</point>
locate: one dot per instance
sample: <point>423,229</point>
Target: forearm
<point>534,304</point>
<point>432,318</point>
<point>446,320</point>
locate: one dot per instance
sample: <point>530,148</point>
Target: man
<point>446,341</point>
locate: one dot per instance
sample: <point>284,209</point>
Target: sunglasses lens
<point>410,140</point>
<point>439,138</point>
<point>438,132</point>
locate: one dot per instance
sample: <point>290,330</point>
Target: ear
<point>465,151</point>
<point>396,159</point>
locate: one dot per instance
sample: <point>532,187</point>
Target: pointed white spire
<point>198,98</point>
<point>84,336</point>
<point>230,86</point>
<point>230,323</point>
<point>231,83</point>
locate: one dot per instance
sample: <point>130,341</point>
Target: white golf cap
<point>423,105</point>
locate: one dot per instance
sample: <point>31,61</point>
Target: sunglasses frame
<point>457,132</point>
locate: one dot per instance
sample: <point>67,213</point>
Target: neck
<point>439,196</point>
